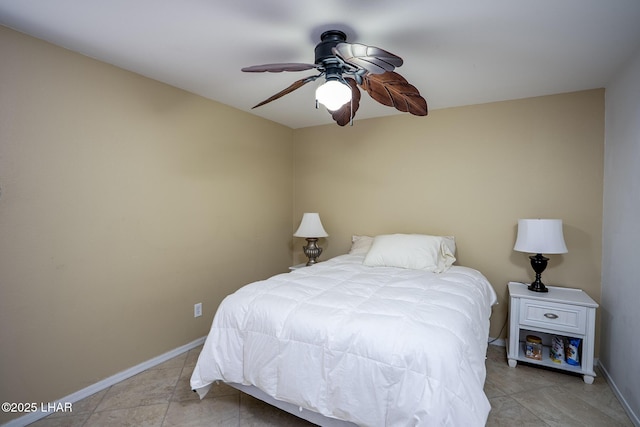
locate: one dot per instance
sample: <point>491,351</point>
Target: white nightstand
<point>297,266</point>
<point>561,311</point>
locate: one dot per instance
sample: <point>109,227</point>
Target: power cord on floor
<point>501,329</point>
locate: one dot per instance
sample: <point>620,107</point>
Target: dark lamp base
<point>538,263</point>
<point>538,287</point>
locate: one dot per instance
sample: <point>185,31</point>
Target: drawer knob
<point>551,316</point>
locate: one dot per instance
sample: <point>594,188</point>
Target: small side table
<point>561,311</point>
<point>297,266</point>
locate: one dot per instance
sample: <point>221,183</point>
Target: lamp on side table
<point>311,229</point>
<point>538,236</point>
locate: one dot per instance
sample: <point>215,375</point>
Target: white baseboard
<point>105,383</point>
<point>635,419</point>
<point>497,341</point>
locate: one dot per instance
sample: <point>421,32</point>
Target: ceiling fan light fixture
<point>333,94</point>
<point>367,67</point>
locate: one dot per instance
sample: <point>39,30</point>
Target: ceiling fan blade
<point>391,89</point>
<point>371,58</point>
<point>347,112</point>
<point>278,68</point>
<point>295,85</point>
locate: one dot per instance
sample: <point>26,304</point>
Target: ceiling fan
<point>345,67</point>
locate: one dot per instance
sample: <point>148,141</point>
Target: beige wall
<point>123,203</point>
<point>470,172</point>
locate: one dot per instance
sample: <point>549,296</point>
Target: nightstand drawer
<point>559,317</point>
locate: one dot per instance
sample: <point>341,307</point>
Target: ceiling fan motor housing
<point>324,54</point>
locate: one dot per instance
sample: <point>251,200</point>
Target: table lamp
<point>540,236</point>
<point>311,229</point>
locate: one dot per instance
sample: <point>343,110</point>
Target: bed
<point>375,337</point>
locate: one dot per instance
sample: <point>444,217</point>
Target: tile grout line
<point>175,387</point>
<point>530,411</point>
<point>239,407</point>
<point>93,410</point>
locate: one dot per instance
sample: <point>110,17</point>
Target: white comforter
<point>378,346</point>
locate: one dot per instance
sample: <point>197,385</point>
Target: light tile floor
<point>522,396</point>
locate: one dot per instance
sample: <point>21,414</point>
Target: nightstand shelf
<point>561,311</point>
<point>546,360</point>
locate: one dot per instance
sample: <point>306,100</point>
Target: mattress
<point>371,345</point>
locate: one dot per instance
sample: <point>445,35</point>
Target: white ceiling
<point>456,52</point>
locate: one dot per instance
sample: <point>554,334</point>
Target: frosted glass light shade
<point>540,236</point>
<point>333,94</point>
<point>310,226</point>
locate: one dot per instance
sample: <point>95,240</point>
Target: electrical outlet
<point>197,310</point>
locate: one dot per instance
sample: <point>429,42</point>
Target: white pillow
<point>415,251</point>
<point>360,244</point>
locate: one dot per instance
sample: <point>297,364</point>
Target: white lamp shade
<point>540,236</point>
<point>333,94</point>
<point>310,226</point>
